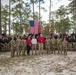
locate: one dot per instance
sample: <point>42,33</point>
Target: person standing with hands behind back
<point>41,43</point>
<point>28,45</point>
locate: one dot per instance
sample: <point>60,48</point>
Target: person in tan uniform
<point>74,42</point>
<point>59,44</point>
<point>53,44</point>
<point>13,47</point>
<point>18,46</point>
<point>47,44</point>
<point>70,43</point>
<point>64,46</point>
<point>23,42</point>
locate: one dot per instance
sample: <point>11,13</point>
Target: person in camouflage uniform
<point>18,44</point>
<point>70,43</point>
<point>47,44</point>
<point>74,42</point>
<point>23,44</point>
<point>13,47</point>
<point>59,44</point>
<point>64,46</point>
<point>53,44</point>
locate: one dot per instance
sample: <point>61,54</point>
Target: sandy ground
<point>46,64</point>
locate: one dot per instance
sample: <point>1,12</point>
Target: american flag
<point>33,27</point>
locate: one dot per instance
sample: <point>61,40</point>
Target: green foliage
<point>63,28</point>
<point>20,13</point>
<point>4,18</point>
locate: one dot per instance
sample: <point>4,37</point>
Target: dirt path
<point>38,64</point>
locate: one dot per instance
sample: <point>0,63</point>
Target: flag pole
<point>39,18</point>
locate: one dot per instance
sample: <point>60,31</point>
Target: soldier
<point>53,44</point>
<point>19,46</point>
<point>1,43</point>
<point>34,44</point>
<point>59,44</point>
<point>23,44</point>
<point>4,44</point>
<point>64,46</point>
<point>74,42</point>
<point>47,44</point>
<point>70,42</point>
<point>13,47</point>
<point>9,44</point>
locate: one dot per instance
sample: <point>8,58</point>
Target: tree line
<point>15,17</point>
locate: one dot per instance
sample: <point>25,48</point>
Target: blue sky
<point>55,5</point>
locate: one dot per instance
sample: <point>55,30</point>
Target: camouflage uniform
<point>53,44</point>
<point>13,47</point>
<point>23,46</point>
<point>47,45</point>
<point>18,47</point>
<point>59,44</point>
<point>64,45</point>
<point>74,44</point>
<point>70,44</point>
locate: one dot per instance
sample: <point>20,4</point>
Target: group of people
<point>33,44</point>
<point>38,44</point>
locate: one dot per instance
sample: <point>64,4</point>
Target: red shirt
<point>28,42</point>
<point>41,39</point>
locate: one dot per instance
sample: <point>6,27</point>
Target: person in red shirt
<point>41,43</point>
<point>28,45</point>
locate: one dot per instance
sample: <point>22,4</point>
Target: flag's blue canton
<point>41,22</point>
<point>32,23</point>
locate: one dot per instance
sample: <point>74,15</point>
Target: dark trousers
<point>28,49</point>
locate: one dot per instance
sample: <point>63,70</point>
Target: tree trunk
<point>0,19</point>
<point>5,28</point>
<point>33,10</point>
<point>74,14</point>
<point>50,13</point>
<point>49,27</point>
<point>9,16</point>
<point>20,18</point>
